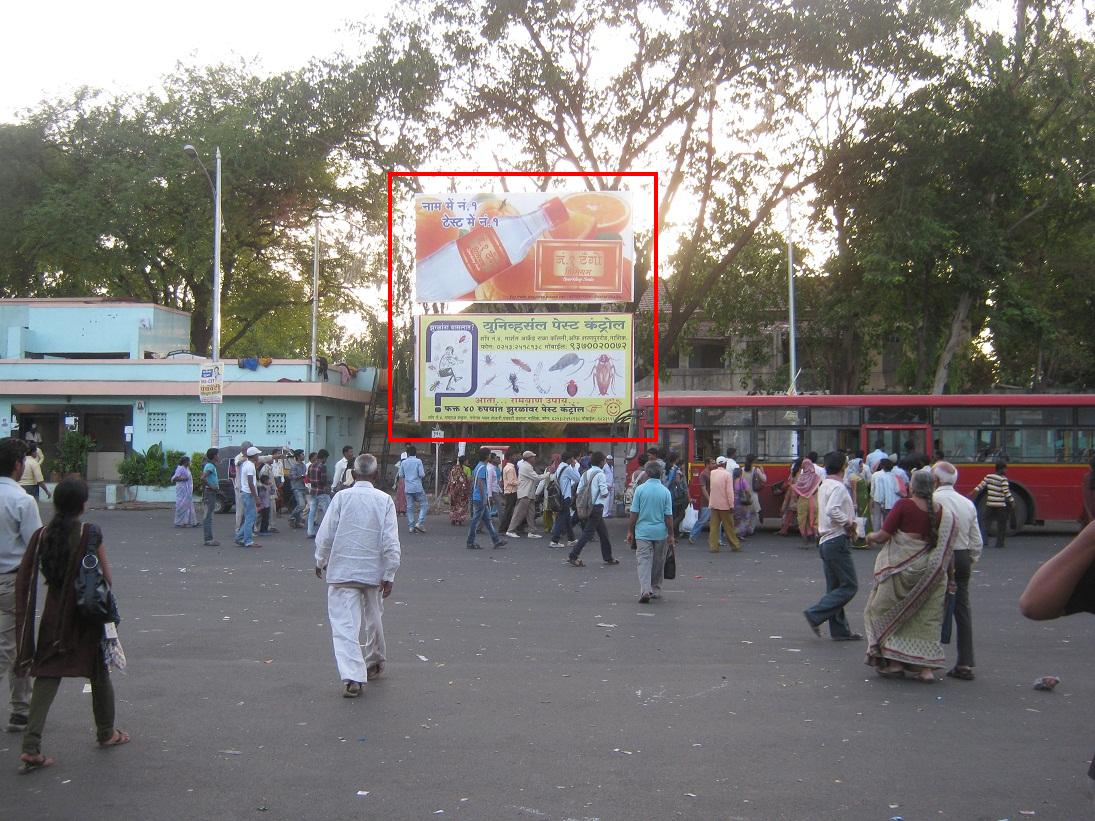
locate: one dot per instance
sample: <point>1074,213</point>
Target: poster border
<point>653,429</point>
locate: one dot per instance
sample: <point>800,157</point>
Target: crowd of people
<point>928,537</point>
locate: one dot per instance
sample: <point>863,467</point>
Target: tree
<point>705,90</point>
<point>956,206</point>
<point>108,204</point>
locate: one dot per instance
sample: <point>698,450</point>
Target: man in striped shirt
<point>998,502</point>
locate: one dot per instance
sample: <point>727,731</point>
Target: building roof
<point>646,303</point>
<point>76,302</point>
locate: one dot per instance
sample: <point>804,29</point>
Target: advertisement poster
<point>210,385</point>
<point>523,367</point>
<point>542,247</point>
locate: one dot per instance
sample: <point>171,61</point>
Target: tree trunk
<point>958,325</point>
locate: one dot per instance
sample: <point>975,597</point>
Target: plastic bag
<point>691,516</point>
<point>861,527</point>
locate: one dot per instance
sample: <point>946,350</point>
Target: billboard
<point>523,367</point>
<point>538,247</point>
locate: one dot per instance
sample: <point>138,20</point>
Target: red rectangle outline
<point>653,437</point>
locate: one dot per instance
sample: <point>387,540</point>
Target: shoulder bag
<point>94,600</point>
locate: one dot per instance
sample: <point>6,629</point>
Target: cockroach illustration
<point>461,339</point>
<point>568,361</point>
<point>522,365</point>
<point>513,382</point>
<point>572,387</point>
<point>604,374</point>
<point>536,380</point>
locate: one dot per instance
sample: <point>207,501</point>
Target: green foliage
<point>72,453</point>
<point>153,467</point>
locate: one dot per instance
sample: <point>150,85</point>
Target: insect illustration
<point>488,360</point>
<point>604,374</point>
<point>536,380</point>
<point>567,361</point>
<point>490,380</point>
<point>522,365</point>
<point>461,339</point>
<point>513,382</point>
<point>572,387</point>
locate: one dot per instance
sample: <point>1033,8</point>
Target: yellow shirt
<point>32,472</point>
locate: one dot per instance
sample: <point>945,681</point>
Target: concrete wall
<point>108,328</point>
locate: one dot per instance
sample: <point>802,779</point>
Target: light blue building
<point>121,372</point>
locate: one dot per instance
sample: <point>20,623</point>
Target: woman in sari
<point>789,509</point>
<point>184,495</point>
<point>804,491</point>
<point>743,505</point>
<point>1089,495</point>
<point>857,478</point>
<point>904,614</point>
<point>459,491</point>
<point>755,479</point>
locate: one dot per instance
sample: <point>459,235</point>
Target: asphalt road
<point>520,687</point>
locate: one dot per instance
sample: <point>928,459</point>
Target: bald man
<point>967,550</point>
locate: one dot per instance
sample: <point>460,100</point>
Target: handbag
<point>670,570</point>
<point>950,601</point>
<point>94,599</point>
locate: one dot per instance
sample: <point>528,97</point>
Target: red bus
<point>1047,440</point>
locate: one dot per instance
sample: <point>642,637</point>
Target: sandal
<point>30,763</point>
<point>575,562</point>
<point>964,673</point>
<point>887,672</point>
<point>119,737</point>
<point>920,677</point>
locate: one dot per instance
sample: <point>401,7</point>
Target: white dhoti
<point>351,607</point>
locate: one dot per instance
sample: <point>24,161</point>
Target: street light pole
<point>190,151</point>
<point>791,303</point>
<point>315,301</point>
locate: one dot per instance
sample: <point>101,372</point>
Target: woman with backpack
<point>67,645</point>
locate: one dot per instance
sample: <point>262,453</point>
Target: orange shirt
<point>722,489</point>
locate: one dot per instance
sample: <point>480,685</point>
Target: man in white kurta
<point>357,546</point>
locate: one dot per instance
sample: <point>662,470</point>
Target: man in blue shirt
<point>594,479</point>
<point>650,530</point>
<point>480,503</point>
<point>567,478</point>
<point>413,472</point>
<point>210,487</point>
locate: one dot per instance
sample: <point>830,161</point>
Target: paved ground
<point>519,687</point>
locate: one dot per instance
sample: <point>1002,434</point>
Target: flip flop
<point>575,562</point>
<point>891,673</point>
<point>120,737</point>
<point>33,763</point>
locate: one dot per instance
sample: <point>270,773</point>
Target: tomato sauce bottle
<point>484,252</point>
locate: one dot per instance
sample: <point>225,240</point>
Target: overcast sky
<point>51,48</point>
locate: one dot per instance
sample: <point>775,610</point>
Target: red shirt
<point>907,517</point>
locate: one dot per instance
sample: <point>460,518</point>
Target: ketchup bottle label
<point>482,253</point>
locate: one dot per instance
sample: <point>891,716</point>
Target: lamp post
<point>190,151</point>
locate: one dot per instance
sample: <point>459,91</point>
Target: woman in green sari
<point>904,614</point>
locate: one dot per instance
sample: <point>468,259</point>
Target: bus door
<point>676,439</point>
<point>899,439</point>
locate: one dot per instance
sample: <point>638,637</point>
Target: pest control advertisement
<point>523,367</point>
<point>541,247</point>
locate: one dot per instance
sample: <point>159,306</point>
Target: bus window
<point>1079,445</point>
<point>781,443</point>
<point>780,417</point>
<point>879,414</point>
<point>968,417</point>
<point>834,417</point>
<point>1034,444</point>
<point>824,440</point>
<point>714,442</point>
<point>968,444</point>
<point>898,440</point>
<point>1038,416</point>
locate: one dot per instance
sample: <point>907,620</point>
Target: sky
<point>52,48</point>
